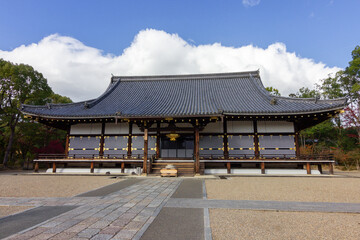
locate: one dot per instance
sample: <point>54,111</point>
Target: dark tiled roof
<point>185,95</point>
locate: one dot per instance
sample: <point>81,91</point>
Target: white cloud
<point>250,3</point>
<point>82,72</point>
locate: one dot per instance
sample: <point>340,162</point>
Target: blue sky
<point>325,31</point>
<point>294,43</point>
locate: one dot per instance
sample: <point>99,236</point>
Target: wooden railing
<point>91,156</point>
<point>267,156</point>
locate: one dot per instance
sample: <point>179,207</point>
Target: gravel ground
<point>50,186</point>
<point>243,224</point>
<point>301,189</point>
<point>8,210</point>
<point>348,173</point>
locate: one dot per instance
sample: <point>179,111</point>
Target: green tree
<point>305,92</point>
<point>273,91</point>
<point>19,84</point>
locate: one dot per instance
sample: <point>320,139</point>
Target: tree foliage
<point>20,84</point>
<point>273,91</point>
<point>341,134</point>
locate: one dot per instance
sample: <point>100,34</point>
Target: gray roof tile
<point>184,95</point>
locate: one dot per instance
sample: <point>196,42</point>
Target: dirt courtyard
<point>33,185</point>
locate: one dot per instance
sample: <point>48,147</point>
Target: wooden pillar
<point>297,143</point>
<point>228,166</point>
<point>225,142</point>
<point>197,156</point>
<point>54,167</point>
<point>67,142</point>
<point>308,169</point>
<point>129,140</point>
<point>320,168</point>
<point>158,140</point>
<point>256,141</point>
<point>92,167</point>
<point>102,140</point>
<point>331,168</point>
<point>262,168</point>
<point>36,169</point>
<point>145,149</point>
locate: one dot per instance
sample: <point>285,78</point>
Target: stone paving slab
<point>110,188</point>
<point>176,223</point>
<point>189,188</point>
<point>18,222</point>
<point>265,205</point>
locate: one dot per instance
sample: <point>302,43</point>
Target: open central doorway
<point>182,148</point>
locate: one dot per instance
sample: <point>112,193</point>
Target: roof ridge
<point>344,99</point>
<point>203,76</point>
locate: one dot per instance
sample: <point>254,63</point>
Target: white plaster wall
<point>240,127</point>
<point>275,126</point>
<point>119,128</point>
<point>183,125</point>
<point>86,128</point>
<point>213,127</point>
<point>136,129</point>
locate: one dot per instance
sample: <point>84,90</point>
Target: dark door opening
<point>183,147</point>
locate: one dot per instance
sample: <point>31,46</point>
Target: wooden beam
<point>36,169</point>
<point>102,140</point>
<point>158,140</point>
<point>225,139</point>
<point>331,168</point>
<point>145,149</point>
<point>197,156</point>
<point>228,166</point>
<point>92,167</point>
<point>129,140</point>
<point>54,167</point>
<point>256,141</point>
<point>308,169</point>
<point>262,168</point>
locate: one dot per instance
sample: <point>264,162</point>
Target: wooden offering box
<point>168,172</point>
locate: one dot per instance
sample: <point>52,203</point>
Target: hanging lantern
<point>173,136</point>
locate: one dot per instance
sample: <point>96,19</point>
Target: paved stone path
<point>124,214</point>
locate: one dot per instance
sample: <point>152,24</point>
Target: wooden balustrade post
<point>228,166</point>
<point>331,168</point>
<point>36,169</point>
<point>92,167</point>
<point>122,167</point>
<point>54,167</point>
<point>262,164</point>
<point>308,169</point>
